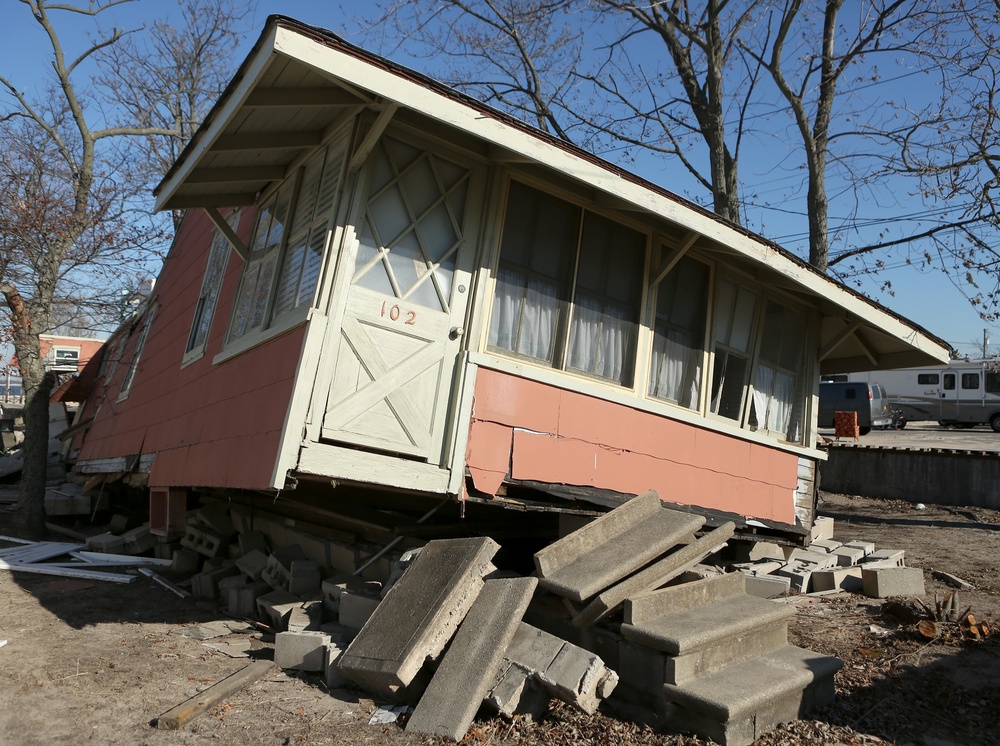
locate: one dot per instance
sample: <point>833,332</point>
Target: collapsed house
<point>400,315</point>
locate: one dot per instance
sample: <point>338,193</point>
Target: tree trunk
<point>29,518</point>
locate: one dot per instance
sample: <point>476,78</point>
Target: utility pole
<point>986,341</point>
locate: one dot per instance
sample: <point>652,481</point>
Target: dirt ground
<point>92,662</point>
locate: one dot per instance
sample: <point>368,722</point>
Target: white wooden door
<point>401,331</point>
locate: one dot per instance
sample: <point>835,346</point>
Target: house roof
<point>299,82</point>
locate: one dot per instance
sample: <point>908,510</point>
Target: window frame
<point>567,287</point>
<point>220,242</point>
<point>140,344</point>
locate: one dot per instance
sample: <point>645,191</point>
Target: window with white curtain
<point>569,287</point>
<point>778,381</point>
<point>732,334</point>
<point>679,334</point>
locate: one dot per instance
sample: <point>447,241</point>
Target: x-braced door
<point>401,330</point>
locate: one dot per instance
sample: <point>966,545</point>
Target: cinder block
<point>799,573</point>
<point>818,560</point>
<point>138,540</point>
<point>333,678</point>
<point>356,608</point>
<point>886,582</point>
<point>307,616</point>
<point>848,556</point>
<point>243,600</point>
<point>216,520</point>
<point>252,541</point>
<point>517,691</point>
<point>185,561</point>
<point>278,572</point>
<point>118,524</point>
<point>825,545</point>
<point>107,543</point>
<point>303,577</point>
<point>252,564</point>
<point>276,606</point>
<point>843,579</point>
<point>206,583</point>
<point>339,634</point>
<point>332,588</point>
<point>165,549</point>
<point>885,558</point>
<point>302,651</point>
<point>203,540</point>
<point>822,528</point>
<point>752,551</point>
<point>865,546</point>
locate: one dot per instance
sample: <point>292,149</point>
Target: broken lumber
<point>185,712</point>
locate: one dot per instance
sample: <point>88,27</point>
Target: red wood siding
<point>209,425</point>
<point>542,433</point>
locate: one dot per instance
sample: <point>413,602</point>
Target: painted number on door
<point>395,313</point>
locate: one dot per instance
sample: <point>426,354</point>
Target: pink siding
<point>209,425</point>
<point>546,434</point>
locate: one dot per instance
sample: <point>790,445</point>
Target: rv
<point>963,393</point>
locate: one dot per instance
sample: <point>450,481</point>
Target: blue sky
<point>928,298</point>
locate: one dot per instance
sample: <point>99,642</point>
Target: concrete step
<point>736,705</point>
<point>703,627</point>
<point>655,604</point>
<point>612,547</point>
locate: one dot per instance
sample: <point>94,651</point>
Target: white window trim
<point>197,353</point>
<point>140,345</point>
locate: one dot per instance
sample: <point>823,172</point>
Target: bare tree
<point>68,215</point>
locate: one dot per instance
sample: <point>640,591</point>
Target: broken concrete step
<point>656,575</point>
<point>468,669</point>
<point>740,703</point>
<point>691,595</point>
<point>612,547</point>
<point>419,616</point>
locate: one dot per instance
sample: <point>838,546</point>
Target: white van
<point>869,400</point>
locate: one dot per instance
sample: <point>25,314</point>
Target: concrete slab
<point>768,586</point>
<point>613,547</point>
<point>656,575</point>
<point>457,689</point>
<point>517,691</point>
<point>886,582</point>
<point>419,615</point>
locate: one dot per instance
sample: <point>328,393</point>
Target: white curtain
<point>773,392</point>
<point>526,308</point>
<point>675,369</point>
<point>600,337</point>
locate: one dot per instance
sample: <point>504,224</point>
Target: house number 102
<point>394,312</point>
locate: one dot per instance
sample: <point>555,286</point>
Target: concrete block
<point>278,571</point>
<point>613,546</point>
<point>417,619</point>
<point>165,549</point>
<point>655,575</point>
<point>252,564</point>
<point>332,676</point>
<point>339,634</point>
<point>641,668</point>
<point>203,540</point>
<point>567,671</point>
<point>252,541</point>
<point>517,691</point>
<point>206,583</point>
<point>865,546</point>
<point>107,543</point>
<point>655,604</point>
<point>825,545</point>
<point>698,572</point>
<point>768,586</point>
<point>885,558</point>
<point>399,567</point>
<point>822,528</point>
<point>303,577</point>
<point>217,521</point>
<point>848,556</point>
<point>138,540</point>
<point>818,560</point>
<point>841,579</point>
<point>276,606</point>
<point>118,524</point>
<point>56,504</point>
<point>301,651</point>
<point>753,551</point>
<point>763,567</point>
<point>455,693</point>
<point>356,608</point>
<point>886,582</point>
<point>306,616</point>
<point>186,561</point>
<point>333,587</point>
<point>243,600</point>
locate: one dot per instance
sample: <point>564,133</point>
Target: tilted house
<point>380,282</point>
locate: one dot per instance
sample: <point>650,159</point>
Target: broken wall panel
<point>211,425</point>
<point>564,437</point>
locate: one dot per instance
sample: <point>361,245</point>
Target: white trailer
<point>963,393</point>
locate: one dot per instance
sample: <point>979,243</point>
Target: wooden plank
<point>187,711</point>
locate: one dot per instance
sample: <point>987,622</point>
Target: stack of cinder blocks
<point>826,565</point>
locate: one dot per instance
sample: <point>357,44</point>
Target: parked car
<point>869,400</point>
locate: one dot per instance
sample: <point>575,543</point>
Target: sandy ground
<point>90,662</point>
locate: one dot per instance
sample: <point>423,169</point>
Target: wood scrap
<point>185,712</point>
<point>157,578</point>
